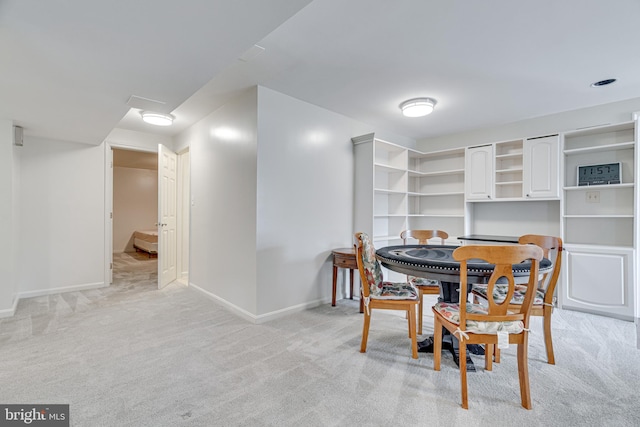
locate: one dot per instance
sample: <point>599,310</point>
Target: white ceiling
<point>69,67</point>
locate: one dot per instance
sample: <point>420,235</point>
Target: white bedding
<point>146,240</point>
<point>147,235</point>
<point>143,245</point>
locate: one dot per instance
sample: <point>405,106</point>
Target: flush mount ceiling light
<point>603,82</point>
<point>418,107</point>
<point>158,119</point>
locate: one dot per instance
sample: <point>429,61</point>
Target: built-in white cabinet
<point>397,188</point>
<point>540,167</point>
<point>514,170</point>
<point>479,173</point>
<point>517,187</point>
<point>599,222</point>
<point>599,279</point>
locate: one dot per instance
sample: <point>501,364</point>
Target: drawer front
<point>345,261</point>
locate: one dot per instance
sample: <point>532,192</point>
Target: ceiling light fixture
<point>603,82</point>
<point>158,119</point>
<point>418,107</point>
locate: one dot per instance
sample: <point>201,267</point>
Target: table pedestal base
<point>449,342</point>
<point>450,292</point>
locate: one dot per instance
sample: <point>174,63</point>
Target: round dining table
<point>436,262</point>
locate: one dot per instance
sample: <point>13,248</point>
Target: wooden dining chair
<point>378,294</point>
<point>424,286</point>
<point>494,324</point>
<point>543,301</point>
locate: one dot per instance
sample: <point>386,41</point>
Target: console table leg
<point>351,283</point>
<point>335,279</point>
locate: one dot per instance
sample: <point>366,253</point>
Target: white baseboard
<point>40,292</point>
<point>261,318</point>
<point>9,312</point>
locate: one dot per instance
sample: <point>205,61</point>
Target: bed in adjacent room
<point>146,241</point>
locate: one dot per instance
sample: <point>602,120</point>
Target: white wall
<point>516,218</point>
<point>9,219</point>
<point>305,199</point>
<point>62,216</point>
<point>616,112</point>
<point>135,204</point>
<point>272,194</point>
<point>141,141</point>
<point>222,149</point>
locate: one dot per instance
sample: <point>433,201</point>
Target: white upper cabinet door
<point>478,178</point>
<point>540,158</point>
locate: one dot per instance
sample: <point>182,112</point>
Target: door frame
<point>108,206</point>
<point>184,215</point>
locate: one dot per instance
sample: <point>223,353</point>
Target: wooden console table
<point>344,258</point>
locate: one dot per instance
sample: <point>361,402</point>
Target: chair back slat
<point>503,258</point>
<point>552,250</point>
<point>423,236</point>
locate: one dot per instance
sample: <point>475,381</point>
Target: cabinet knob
<point>488,196</point>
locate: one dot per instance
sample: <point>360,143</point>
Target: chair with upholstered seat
<point>543,301</point>
<point>424,286</point>
<point>493,324</point>
<point>378,294</point>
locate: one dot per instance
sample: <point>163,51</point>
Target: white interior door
<point>167,212</point>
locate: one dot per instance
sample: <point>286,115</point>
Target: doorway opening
<point>135,217</point>
<point>136,198</point>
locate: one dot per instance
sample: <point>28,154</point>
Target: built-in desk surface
<point>489,238</point>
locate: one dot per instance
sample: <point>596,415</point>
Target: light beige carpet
<point>131,355</point>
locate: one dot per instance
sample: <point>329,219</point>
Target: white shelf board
<point>444,193</point>
<point>514,155</point>
<point>414,173</point>
<point>415,154</point>
<point>598,148</point>
<point>436,216</point>
<point>386,191</point>
<point>388,168</point>
<point>569,246</point>
<point>599,187</point>
<point>601,216</point>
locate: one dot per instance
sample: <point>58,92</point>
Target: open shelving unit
<point>599,222</point>
<point>515,187</point>
<point>508,169</point>
<point>411,189</point>
<point>436,191</point>
<point>601,215</point>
